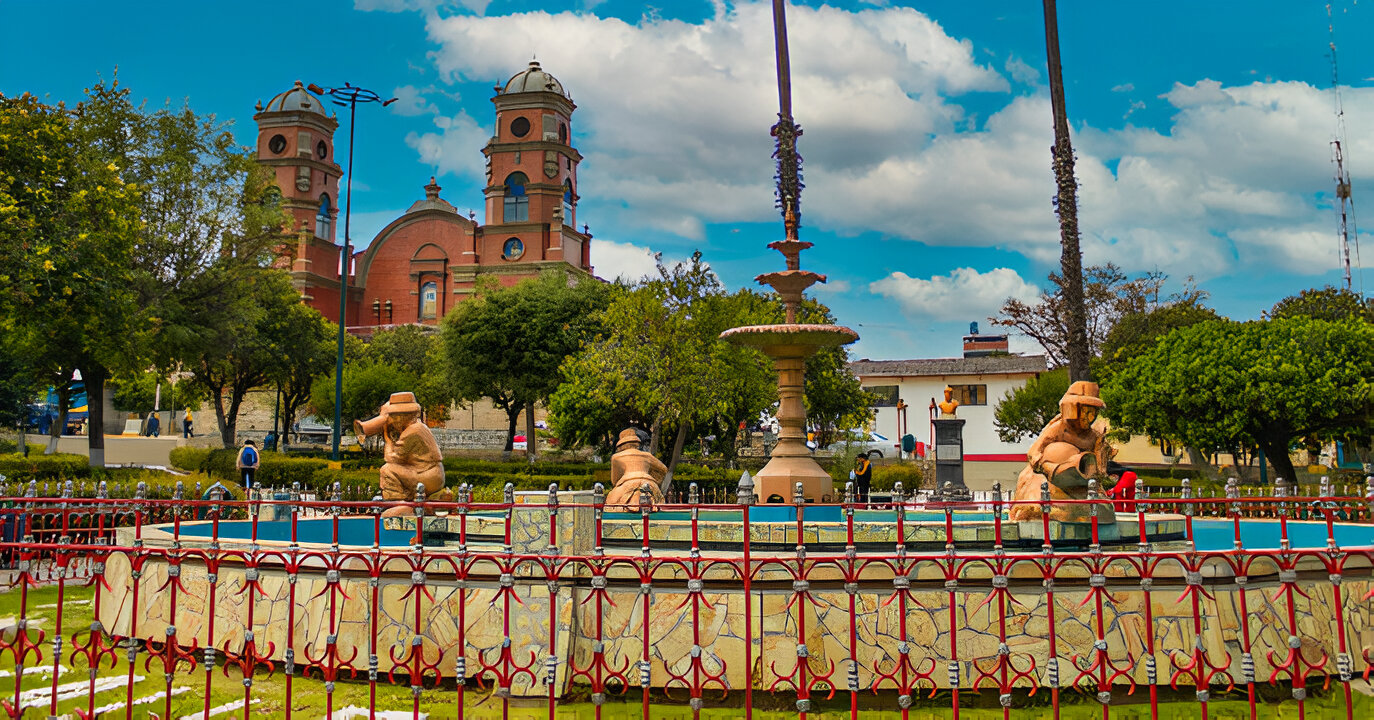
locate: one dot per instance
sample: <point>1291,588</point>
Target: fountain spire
<point>789,344</point>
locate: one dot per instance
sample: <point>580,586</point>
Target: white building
<point>979,382</point>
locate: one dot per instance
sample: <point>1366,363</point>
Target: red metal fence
<point>177,607</point>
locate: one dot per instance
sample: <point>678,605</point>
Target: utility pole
<point>1066,205</point>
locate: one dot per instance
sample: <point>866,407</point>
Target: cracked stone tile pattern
<point>471,617</point>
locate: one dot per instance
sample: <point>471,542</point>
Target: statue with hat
<point>412,455</point>
<point>1067,454</point>
<point>633,470</point>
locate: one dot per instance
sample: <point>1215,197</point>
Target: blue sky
<point>1202,129</point>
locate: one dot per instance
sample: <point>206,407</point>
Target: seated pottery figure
<point>411,454</point>
<point>1067,454</point>
<point>633,470</point>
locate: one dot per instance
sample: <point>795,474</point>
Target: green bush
<point>44,468</point>
<point>189,458</point>
<point>885,476</point>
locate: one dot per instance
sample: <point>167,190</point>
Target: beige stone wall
<point>472,616</point>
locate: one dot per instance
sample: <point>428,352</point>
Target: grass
<point>308,696</point>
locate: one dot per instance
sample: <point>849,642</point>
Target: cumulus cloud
<point>615,260</point>
<point>673,123</point>
<point>963,294</point>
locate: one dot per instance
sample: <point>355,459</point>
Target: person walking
<point>247,463</point>
<point>186,424</point>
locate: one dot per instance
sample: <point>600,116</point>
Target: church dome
<point>534,79</point>
<point>297,99</point>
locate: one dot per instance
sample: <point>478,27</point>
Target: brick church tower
<point>296,140</point>
<point>531,193</point>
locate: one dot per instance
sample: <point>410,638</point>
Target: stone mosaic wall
<point>776,613</point>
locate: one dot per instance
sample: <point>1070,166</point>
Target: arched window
<point>567,202</point>
<point>517,203</point>
<point>324,222</point>
<point>429,301</point>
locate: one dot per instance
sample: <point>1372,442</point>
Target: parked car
<point>867,441</point>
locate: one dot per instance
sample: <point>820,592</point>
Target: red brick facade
<point>426,261</point>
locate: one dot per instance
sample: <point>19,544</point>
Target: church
<point>429,259</point>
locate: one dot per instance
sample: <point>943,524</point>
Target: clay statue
<point>412,455</point>
<point>633,469</point>
<point>1067,454</point>
<point>948,407</point>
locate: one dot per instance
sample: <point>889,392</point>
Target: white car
<point>867,441</point>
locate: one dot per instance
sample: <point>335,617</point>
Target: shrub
<point>44,468</point>
<point>189,458</point>
<point>885,476</point>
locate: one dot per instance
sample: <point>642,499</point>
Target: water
<point>1210,535</point>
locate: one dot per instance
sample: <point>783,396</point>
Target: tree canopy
<point>1328,303</point>
<point>1025,411</point>
<point>1217,384</point>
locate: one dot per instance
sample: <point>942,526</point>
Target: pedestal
<point>949,460</point>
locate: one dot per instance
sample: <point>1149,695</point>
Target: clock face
<point>277,144</point>
<point>513,249</point>
<point>322,150</point>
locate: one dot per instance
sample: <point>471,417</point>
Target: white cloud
<point>965,294</point>
<point>410,101</point>
<point>613,260</point>
<point>832,287</point>
<point>673,122</point>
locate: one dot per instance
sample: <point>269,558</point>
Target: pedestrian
<point>862,475</point>
<point>247,463</point>
<point>186,424</point>
<point>154,424</point>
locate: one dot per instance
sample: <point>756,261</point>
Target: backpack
<point>249,456</point>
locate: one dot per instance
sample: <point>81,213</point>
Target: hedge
<point>44,468</point>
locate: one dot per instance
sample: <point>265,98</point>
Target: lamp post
<point>347,96</point>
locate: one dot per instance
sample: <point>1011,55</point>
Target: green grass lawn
<point>308,696</point>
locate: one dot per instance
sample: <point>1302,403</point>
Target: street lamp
<point>347,96</point>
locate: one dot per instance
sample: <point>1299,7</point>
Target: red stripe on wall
<point>997,457</point>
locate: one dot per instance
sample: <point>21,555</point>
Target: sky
<point>1203,130</point>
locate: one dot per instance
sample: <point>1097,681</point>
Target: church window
<point>567,202</point>
<point>563,133</point>
<point>512,249</point>
<point>322,150</point>
<point>325,220</point>
<point>277,144</point>
<point>517,203</point>
<point>429,301</point>
<point>520,127</point>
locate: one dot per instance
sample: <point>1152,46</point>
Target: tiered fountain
<point>790,343</point>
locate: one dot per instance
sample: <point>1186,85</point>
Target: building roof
<point>931,367</point>
<point>432,200</point>
<point>533,79</point>
<point>297,99</point>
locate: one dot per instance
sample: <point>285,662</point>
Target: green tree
<point>19,384</point>
<point>1329,303</point>
<point>309,355</point>
<point>506,344</point>
<point>68,226</point>
<point>1223,384</point>
<point>250,348</point>
<point>1136,332</point>
<point>367,384</point>
<point>137,391</point>
<point>1025,411</point>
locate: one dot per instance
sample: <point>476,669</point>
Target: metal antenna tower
<point>1346,208</point>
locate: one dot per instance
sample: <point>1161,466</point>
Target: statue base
<point>777,481</point>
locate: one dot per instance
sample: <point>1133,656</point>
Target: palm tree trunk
<point>1066,204</point>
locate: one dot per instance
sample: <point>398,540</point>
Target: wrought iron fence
<point>308,606</point>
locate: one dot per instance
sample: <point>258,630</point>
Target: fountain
<point>790,343</point>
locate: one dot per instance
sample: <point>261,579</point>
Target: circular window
<point>277,144</point>
<point>513,249</point>
<point>520,127</point>
<point>322,150</point>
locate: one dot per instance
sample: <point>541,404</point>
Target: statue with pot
<point>632,471</point>
<point>412,455</point>
<point>1068,453</point>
